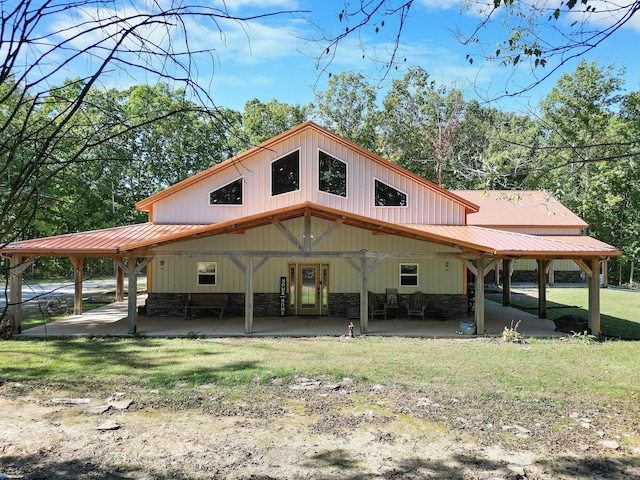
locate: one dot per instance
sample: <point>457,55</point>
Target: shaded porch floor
<point>111,321</point>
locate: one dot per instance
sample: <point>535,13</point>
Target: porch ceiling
<point>141,239</point>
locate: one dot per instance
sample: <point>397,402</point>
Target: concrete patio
<point>111,320</point>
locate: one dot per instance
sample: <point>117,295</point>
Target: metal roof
<point>144,237</point>
<point>519,208</point>
<point>98,242</point>
<point>504,243</point>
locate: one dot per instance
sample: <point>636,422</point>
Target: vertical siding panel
<point>180,276</point>
<point>190,205</point>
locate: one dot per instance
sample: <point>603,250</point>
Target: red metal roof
<point>95,242</point>
<point>119,240</point>
<point>503,243</point>
<point>519,208</point>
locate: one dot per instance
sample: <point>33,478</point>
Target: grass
<point>485,381</point>
<point>603,371</point>
<point>620,309</point>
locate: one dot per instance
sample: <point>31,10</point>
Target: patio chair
<point>391,305</point>
<point>417,306</point>
<point>375,309</point>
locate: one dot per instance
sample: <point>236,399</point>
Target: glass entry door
<point>312,289</point>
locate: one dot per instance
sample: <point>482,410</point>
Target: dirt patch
<point>313,428</point>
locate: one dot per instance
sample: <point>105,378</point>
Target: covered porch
<point>111,321</point>
<point>477,249</point>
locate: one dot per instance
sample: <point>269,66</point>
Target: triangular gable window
<point>285,174</point>
<point>333,174</point>
<point>229,194</point>
<point>387,196</point>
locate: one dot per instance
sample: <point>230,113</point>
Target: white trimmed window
<point>229,194</point>
<point>207,273</point>
<point>388,196</point>
<point>409,274</point>
<point>285,174</point>
<point>332,174</point>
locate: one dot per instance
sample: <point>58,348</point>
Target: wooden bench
<point>215,302</point>
<point>572,324</point>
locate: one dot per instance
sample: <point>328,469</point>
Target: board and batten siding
<point>425,205</point>
<point>437,274</point>
<point>565,265</point>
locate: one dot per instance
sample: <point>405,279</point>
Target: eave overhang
<point>142,239</point>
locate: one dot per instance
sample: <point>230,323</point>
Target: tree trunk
<point>619,274</point>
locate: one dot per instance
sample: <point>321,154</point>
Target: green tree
<point>494,149</point>
<point>348,107</point>
<point>41,39</point>
<point>617,183</point>
<point>576,115</point>
<point>420,124</point>
<point>262,121</point>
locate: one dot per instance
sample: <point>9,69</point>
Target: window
<point>409,274</point>
<point>333,175</point>
<point>229,194</point>
<point>387,196</point>
<point>285,174</point>
<point>207,272</point>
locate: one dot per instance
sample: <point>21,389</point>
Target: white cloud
<point>262,4</point>
<point>604,14</point>
<point>442,4</point>
<point>255,42</point>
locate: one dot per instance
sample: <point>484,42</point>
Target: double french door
<point>309,289</point>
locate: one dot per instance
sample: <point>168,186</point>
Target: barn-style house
<point>308,223</point>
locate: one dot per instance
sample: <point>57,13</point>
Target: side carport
<point>485,247</point>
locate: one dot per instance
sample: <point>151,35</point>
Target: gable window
<point>285,174</point>
<point>333,175</point>
<point>387,196</point>
<point>207,273</point>
<point>409,274</point>
<point>229,194</point>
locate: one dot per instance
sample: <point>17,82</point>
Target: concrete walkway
<point>111,321</point>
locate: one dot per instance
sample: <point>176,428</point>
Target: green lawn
<point>485,380</point>
<point>603,371</point>
<point>620,309</point>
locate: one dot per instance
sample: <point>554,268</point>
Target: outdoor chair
<point>417,306</point>
<point>391,305</point>
<point>375,309</point>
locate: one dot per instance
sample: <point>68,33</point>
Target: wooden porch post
<point>364,295</point>
<point>133,269</point>
<point>248,297</point>
<point>594,297</point>
<point>479,302</point>
<point>543,264</point>
<point>132,296</point>
<point>17,266</point>
<point>506,282</point>
<point>78,266</point>
<point>119,283</point>
<point>552,274</point>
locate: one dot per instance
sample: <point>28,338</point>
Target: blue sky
<point>270,62</point>
<point>269,58</point>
